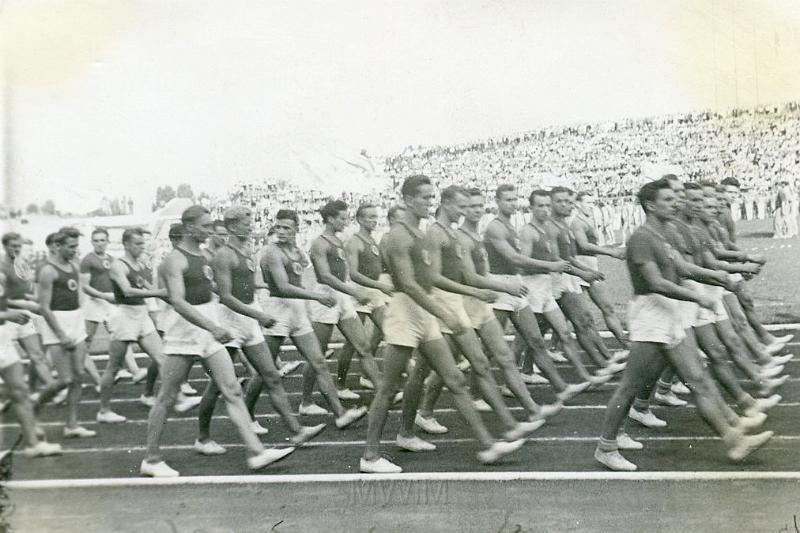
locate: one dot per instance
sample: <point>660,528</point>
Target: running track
<point>552,484</point>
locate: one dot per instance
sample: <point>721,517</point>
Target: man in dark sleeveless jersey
<point>412,322</point>
<point>333,278</point>
<point>282,266</point>
<point>64,330</point>
<point>196,332</point>
<point>234,272</point>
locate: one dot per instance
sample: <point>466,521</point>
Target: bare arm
<point>689,270</point>
<point>221,264</point>
<point>119,275</point>
<point>495,235</point>
<point>353,248</point>
<point>272,262</point>
<point>175,264</point>
<point>659,285</point>
<point>471,275</point>
<point>710,260</point>
<point>319,259</point>
<point>587,248</point>
<point>437,239</point>
<point>46,277</point>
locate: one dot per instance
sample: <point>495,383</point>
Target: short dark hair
<point>670,177</point>
<point>449,193</point>
<point>692,186</point>
<point>392,212</point>
<point>474,191</point>
<point>175,232</point>
<point>331,209</point>
<point>11,236</point>
<point>582,194</point>
<point>67,232</point>
<point>649,191</point>
<point>706,183</point>
<point>218,223</point>
<point>558,189</point>
<point>732,182</point>
<point>192,213</point>
<point>130,233</point>
<point>538,192</point>
<point>503,187</point>
<point>362,208</point>
<point>51,239</point>
<point>103,231</point>
<point>288,214</point>
<point>412,184</point>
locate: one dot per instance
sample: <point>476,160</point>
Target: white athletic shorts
<point>165,317</point>
<point>590,261</point>
<point>73,324</point>
<point>689,310</point>
<point>184,338</point>
<point>343,309</point>
<point>708,316</point>
<point>130,323</point>
<point>655,318</point>
<point>506,302</point>
<point>540,292</point>
<point>478,311</point>
<point>291,317</point>
<point>23,331</point>
<point>152,305</point>
<point>455,304</point>
<point>97,309</point>
<point>408,324</point>
<point>564,283</point>
<point>8,352</point>
<point>378,298</point>
<point>246,331</point>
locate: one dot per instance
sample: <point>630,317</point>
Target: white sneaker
<point>770,372</point>
<point>523,429</point>
<point>779,360</point>
<point>378,466</point>
<point>140,375</point>
<point>620,356</point>
<point>257,428</point>
<point>782,340</point>
<point>557,357</point>
<point>350,416</point>
<point>414,444</point>
<point>534,379</point>
<point>752,422</point>
<point>614,461</point>
<point>679,388</point>
<point>647,418</point>
<point>187,403</point>
<point>160,469</point>
<point>209,447</point>
<point>365,383</point>
<point>763,405</point>
<point>481,406</point>
<point>312,410</point>
<point>78,432</point>
<point>289,367</point>
<point>42,449</point>
<point>499,449</point>
<point>463,365</point>
<point>187,389</point>
<point>625,442</point>
<point>546,411</point>
<point>347,394</point>
<point>429,425</point>
<point>149,401</point>
<point>769,386</point>
<point>398,397</point>
<point>747,445</point>
<point>34,397</point>
<point>600,379</point>
<point>61,397</point>
<point>109,417</point>
<point>122,374</point>
<point>611,368</point>
<point>572,390</point>
<point>774,348</point>
<point>267,457</point>
<point>669,398</point>
<point>97,389</point>
<point>306,433</point>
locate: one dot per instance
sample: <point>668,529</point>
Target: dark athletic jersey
<point>16,287</point>
<point>98,269</point>
<point>336,258</point>
<point>370,263</point>
<point>294,271</point>
<point>65,295</point>
<point>420,258</point>
<point>646,245</point>
<point>478,253</point>
<point>452,255</point>
<point>137,279</point>
<point>243,281</point>
<point>498,264</point>
<point>197,278</point>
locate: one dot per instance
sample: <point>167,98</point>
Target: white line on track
<point>421,476</point>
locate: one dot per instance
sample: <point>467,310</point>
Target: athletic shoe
<point>600,379</point>
<point>620,356</point>
<point>378,466</point>
<point>97,389</point>
<point>770,372</point>
<point>747,445</point>
<point>534,379</point>
<point>523,429</point>
<point>763,405</point>
<point>149,401</point>
<point>769,386</point>
<point>328,353</point>
<point>122,374</point>
<point>139,376</point>
<point>185,403</point>
<point>312,409</point>
<point>78,432</point>
<point>625,442</point>
<point>364,382</point>
<point>557,357</point>
<point>40,434</point>
<point>774,348</point>
<point>257,428</point>
<point>208,447</point>
<point>669,398</point>
<point>42,449</point>
<point>505,391</point>
<point>288,368</point>
<point>463,365</point>
<point>572,390</point>
<point>109,417</point>
<point>481,406</point>
<point>61,397</point>
<point>414,444</point>
<point>306,433</point>
<point>679,388</point>
<point>611,368</point>
<point>347,394</point>
<point>779,360</point>
<point>160,469</point>
<point>646,418</point>
<point>398,397</point>
<point>499,449</point>
<point>34,397</point>
<point>752,422</point>
<point>268,456</point>
<point>546,411</point>
<point>187,389</point>
<point>614,461</point>
<point>350,416</point>
<point>782,340</point>
<point>429,425</point>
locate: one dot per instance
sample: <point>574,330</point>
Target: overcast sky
<point>118,97</point>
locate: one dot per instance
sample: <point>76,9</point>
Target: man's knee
<point>454,380</point>
<point>230,390</point>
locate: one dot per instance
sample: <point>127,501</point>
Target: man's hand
<point>757,258</point>
<point>559,266</point>
<point>706,302</point>
<point>265,320</point>
<point>618,253</point>
<point>327,301</point>
<point>487,296</point>
<point>386,289</point>
<point>221,335</point>
<point>516,288</point>
<point>17,317</point>
<point>363,297</point>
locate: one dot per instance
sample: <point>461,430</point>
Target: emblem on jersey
<point>297,268</point>
<point>426,257</point>
<point>340,253</point>
<point>374,250</point>
<point>72,285</point>
<point>140,282</point>
<point>251,266</point>
<point>208,272</point>
<point>106,264</point>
